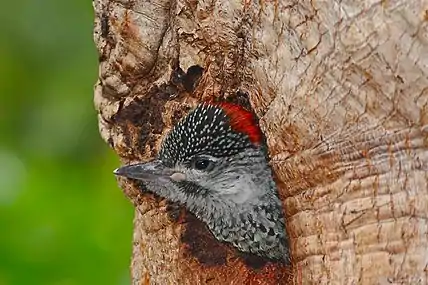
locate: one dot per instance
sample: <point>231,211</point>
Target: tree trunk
<point>341,91</point>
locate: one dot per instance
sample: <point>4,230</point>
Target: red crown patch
<point>241,121</point>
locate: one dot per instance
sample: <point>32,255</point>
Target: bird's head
<point>214,163</point>
<point>215,152</point>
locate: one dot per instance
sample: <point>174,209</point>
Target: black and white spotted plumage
<point>204,130</point>
<point>213,162</point>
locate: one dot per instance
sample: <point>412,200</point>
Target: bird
<point>214,162</point>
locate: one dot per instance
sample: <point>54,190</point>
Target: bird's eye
<point>203,164</point>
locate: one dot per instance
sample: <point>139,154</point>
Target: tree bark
<point>341,91</point>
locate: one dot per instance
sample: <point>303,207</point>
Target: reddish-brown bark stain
<point>201,244</point>
<point>141,121</point>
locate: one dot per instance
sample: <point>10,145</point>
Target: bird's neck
<point>222,215</point>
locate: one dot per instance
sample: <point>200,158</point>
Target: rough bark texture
<point>341,90</point>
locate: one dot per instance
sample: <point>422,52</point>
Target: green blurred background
<point>63,220</point>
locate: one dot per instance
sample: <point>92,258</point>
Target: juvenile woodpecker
<point>214,163</point>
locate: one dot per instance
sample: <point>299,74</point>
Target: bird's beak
<point>148,171</point>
